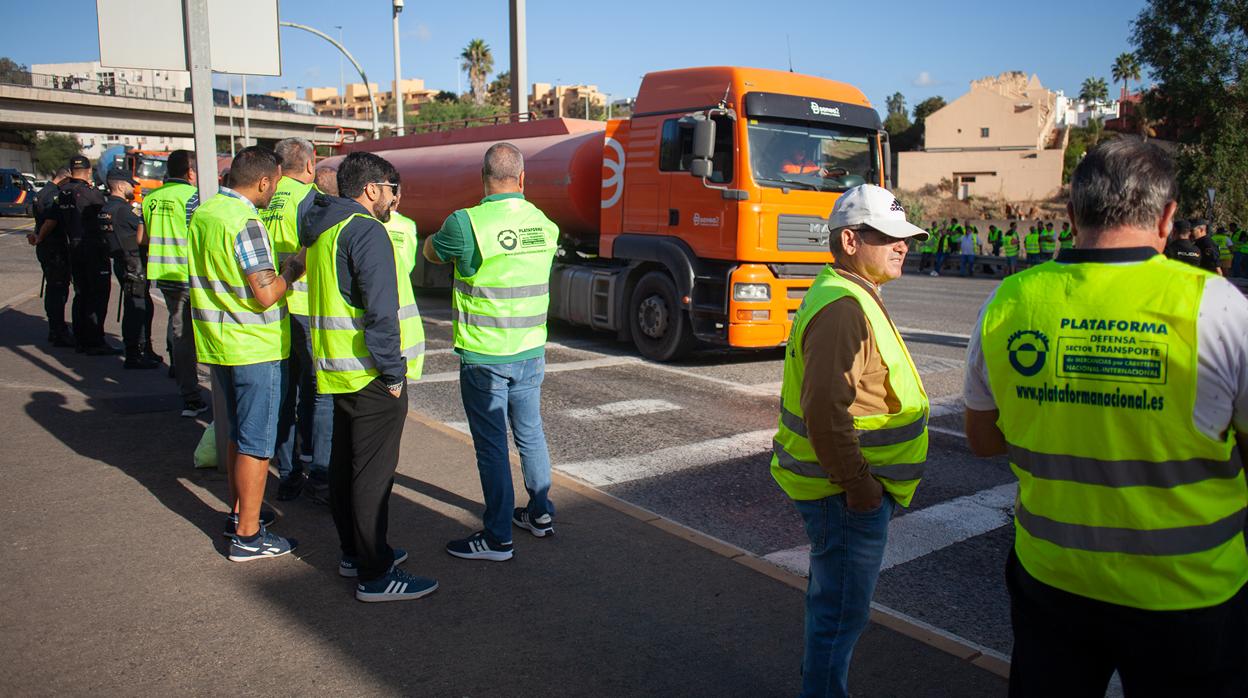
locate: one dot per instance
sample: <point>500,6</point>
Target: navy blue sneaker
<point>397,585</point>
<point>267,517</point>
<point>540,526</point>
<point>268,545</point>
<point>478,546</point>
<point>350,567</point>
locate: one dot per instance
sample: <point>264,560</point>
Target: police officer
<point>52,251</point>
<point>1180,246</point>
<point>123,230</point>
<point>503,249</point>
<point>76,216</point>
<point>1117,382</point>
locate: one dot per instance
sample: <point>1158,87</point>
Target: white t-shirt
<point>968,244</point>
<point>1221,362</point>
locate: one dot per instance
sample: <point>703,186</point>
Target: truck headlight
<point>751,292</point>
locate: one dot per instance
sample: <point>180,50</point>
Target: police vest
<point>231,327</point>
<point>1121,498</point>
<point>501,309</point>
<point>281,219</point>
<point>164,220</point>
<point>1010,246</point>
<point>1031,243</point>
<point>894,445</point>
<point>343,362</point>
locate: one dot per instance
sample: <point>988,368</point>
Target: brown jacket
<point>845,377</point>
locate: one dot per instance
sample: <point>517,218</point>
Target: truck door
<point>695,213</point>
<point>641,194</point>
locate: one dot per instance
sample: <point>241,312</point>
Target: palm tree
<point>1126,67</point>
<point>478,62</point>
<point>1094,91</point>
<point>896,103</point>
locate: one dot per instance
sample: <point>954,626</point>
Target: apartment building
<point>355,105</point>
<point>565,101</point>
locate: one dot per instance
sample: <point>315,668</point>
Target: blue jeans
<point>968,261</point>
<point>846,550</point>
<point>304,411</point>
<point>253,393</point>
<point>494,396</point>
<point>940,261</point>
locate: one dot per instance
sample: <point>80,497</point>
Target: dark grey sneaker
<point>397,585</point>
<point>266,546</point>
<point>478,546</point>
<point>540,526</point>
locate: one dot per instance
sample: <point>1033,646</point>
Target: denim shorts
<point>253,396</point>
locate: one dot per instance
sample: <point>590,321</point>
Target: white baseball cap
<point>867,204</point>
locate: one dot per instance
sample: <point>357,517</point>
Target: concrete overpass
<point>48,109</point>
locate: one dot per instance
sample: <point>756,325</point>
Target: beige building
<point>327,102</point>
<point>1000,139</point>
<point>555,101</point>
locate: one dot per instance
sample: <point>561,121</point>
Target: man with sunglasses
<point>367,343</point>
<point>852,439</point>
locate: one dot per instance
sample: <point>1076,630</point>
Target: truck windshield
<point>151,168</point>
<point>818,157</point>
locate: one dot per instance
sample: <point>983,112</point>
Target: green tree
<point>440,116</point>
<point>896,104</point>
<point>13,73</point>
<point>53,150</point>
<point>1094,91</point>
<point>1126,67</point>
<point>478,62</point>
<point>446,96</point>
<point>1195,52</point>
<point>499,91</point>
<point>927,107</point>
<point>897,123</point>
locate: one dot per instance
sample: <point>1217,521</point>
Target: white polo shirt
<point>1221,349</point>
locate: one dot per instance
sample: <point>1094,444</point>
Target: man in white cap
<point>852,439</point>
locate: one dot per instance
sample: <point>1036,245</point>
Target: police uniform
<point>53,255</point>
<point>77,216</point>
<point>120,226</point>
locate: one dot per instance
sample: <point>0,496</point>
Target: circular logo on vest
<point>508,239</point>
<point>1028,351</point>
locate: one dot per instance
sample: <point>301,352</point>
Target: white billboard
<point>243,35</point>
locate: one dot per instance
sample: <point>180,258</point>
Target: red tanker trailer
<point>685,221</point>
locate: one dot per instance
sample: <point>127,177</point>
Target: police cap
<point>79,162</point>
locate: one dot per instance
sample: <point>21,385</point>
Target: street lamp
<point>398,89</point>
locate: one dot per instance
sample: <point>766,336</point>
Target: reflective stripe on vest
<point>501,309</point>
<point>164,223</point>
<point>1121,497</point>
<point>340,355</point>
<point>231,328</point>
<point>281,219</point>
<point>894,445</point>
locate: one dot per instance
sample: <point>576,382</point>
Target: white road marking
<point>610,471</point>
<point>934,333</point>
<point>452,376</point>
<point>945,431</point>
<point>622,409</point>
<point>925,531</point>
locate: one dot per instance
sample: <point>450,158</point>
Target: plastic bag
<point>206,451</point>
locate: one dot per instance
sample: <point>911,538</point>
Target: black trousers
<point>91,270</point>
<point>53,256</point>
<point>368,426</point>
<point>136,311</point>
<point>1069,645</point>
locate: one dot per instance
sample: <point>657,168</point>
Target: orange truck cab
<point>699,218</point>
<point>148,167</point>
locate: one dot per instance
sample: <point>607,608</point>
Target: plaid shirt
<point>251,244</point>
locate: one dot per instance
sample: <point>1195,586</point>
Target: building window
<point>983,132</point>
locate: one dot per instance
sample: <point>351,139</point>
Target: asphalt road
<point>691,441</point>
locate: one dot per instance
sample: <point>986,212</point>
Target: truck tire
<point>660,327</point>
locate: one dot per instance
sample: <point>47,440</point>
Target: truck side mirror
<point>701,168</point>
<point>703,139</point>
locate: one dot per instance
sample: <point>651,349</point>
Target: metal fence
<point>74,83</point>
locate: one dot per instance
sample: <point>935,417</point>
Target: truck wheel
<point>661,328</point>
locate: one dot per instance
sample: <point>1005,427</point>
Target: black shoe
<point>267,517</point>
<point>104,349</point>
<point>317,488</point>
<point>290,488</point>
<point>151,354</point>
<point>140,361</point>
<point>61,340</point>
<point>194,408</point>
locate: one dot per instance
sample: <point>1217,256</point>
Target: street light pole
<point>371,100</point>
<point>342,81</point>
<point>398,89</point>
<point>586,107</point>
<point>519,59</point>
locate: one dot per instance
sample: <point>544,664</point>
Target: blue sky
<point>918,48</point>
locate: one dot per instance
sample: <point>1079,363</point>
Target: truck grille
<point>801,233</point>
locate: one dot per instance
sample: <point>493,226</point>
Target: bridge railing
<point>74,83</point>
